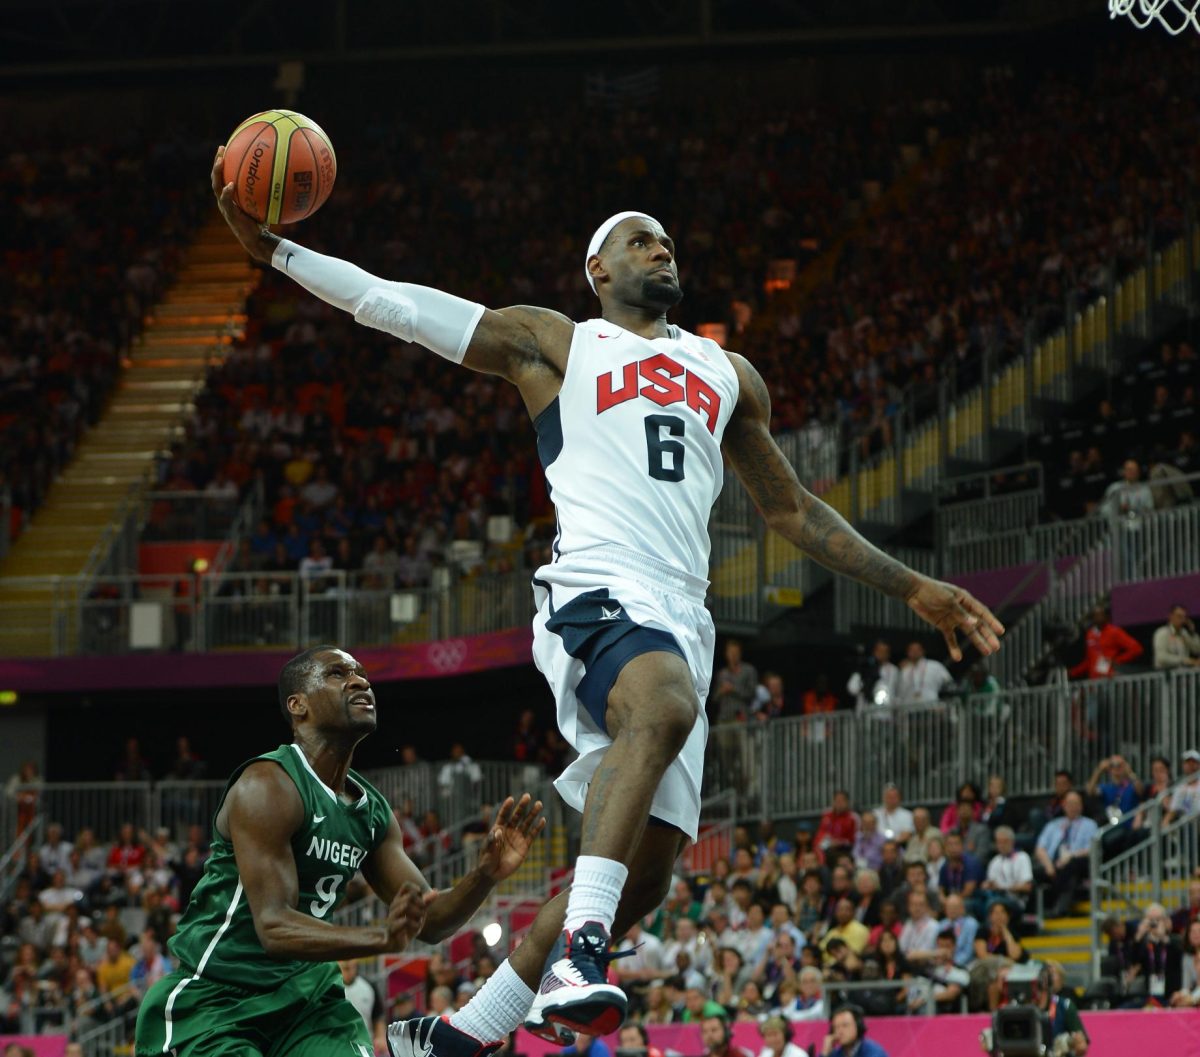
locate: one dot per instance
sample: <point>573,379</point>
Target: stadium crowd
<point>377,457</point>
<point>93,234</point>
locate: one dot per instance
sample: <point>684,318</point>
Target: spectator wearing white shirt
<point>877,682</point>
<point>1185,800</point>
<point>755,938</point>
<point>691,945</point>
<point>60,895</point>
<point>1176,644</point>
<point>646,962</point>
<point>918,937</point>
<point>777,1039</point>
<point>922,679</point>
<point>809,1004</point>
<point>1009,874</point>
<point>55,854</point>
<point>895,820</point>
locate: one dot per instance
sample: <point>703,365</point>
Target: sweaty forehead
<point>332,657</point>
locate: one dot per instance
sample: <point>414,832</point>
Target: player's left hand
<point>511,836</point>
<point>950,609</point>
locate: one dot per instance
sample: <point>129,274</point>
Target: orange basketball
<point>281,165</point>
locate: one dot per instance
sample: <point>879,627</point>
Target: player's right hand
<point>248,230</point>
<point>406,915</point>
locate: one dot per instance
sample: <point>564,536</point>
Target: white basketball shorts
<point>597,610</point>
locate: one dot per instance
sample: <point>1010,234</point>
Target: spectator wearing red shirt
<point>128,852</point>
<point>1108,647</point>
<point>839,825</point>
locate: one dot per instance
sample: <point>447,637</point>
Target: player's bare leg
<point>651,710</point>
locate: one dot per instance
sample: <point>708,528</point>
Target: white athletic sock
<point>595,891</point>
<point>498,1007</point>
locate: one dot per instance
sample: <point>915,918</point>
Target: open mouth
<point>362,702</point>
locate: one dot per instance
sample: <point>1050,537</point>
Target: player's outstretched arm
<point>526,345</point>
<point>824,535</point>
<point>261,813</point>
<point>388,867</point>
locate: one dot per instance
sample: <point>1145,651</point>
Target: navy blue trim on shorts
<point>596,629</point>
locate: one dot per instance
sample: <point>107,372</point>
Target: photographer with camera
<point>1156,955</point>
<point>875,679</point>
<point>1051,1017</point>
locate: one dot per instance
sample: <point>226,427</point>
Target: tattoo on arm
<point>790,509</point>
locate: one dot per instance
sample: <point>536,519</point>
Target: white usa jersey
<point>631,446</point>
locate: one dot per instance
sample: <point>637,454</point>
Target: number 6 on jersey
<point>664,456</point>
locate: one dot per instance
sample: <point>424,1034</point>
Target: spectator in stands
<point>697,1006</point>
<point>960,874</point>
<point>889,921</point>
<point>868,843</point>
<point>1130,497</point>
<point>736,684</point>
<point>867,897</point>
<point>846,928</point>
<point>659,1009</point>
<point>682,903</point>
<point>128,852</point>
<point>24,788</point>
<point>1176,644</point>
<point>935,858</point>
<point>366,999</point>
<point>917,847</point>
<point>1009,875</point>
<point>770,701</point>
<point>891,868</point>
<point>1107,648</point>
<point>687,950</point>
<point>976,836</point>
<point>809,1001</point>
<point>876,680</point>
<point>151,964</point>
<point>948,981</point>
<point>895,820</point>
<point>838,827</point>
<point>916,879</point>
<point>114,971</point>
<point>1119,793</point>
<point>1062,852</point>
<point>963,928</point>
<point>845,1037</point>
<point>1160,782</point>
<point>819,698</point>
<point>993,809</point>
<point>918,937</point>
<point>1156,954</point>
<point>921,679</point>
<point>717,1038</point>
<point>55,853</point>
<point>777,1035</point>
<point>1185,801</point>
<point>1182,919</point>
<point>966,792</point>
<point>643,962</point>
<point>755,937</point>
<point>810,906</point>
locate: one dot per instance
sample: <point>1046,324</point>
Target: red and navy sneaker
<point>434,1037</point>
<point>575,992</point>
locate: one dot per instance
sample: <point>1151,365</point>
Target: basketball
<point>281,165</point>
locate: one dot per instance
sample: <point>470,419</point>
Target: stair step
<point>1066,924</point>
<point>1058,942</point>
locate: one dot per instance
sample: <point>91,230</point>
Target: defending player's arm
<point>524,344</point>
<point>824,535</point>
<point>261,813</point>
<point>388,868</point>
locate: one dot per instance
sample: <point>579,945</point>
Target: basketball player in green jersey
<point>256,950</point>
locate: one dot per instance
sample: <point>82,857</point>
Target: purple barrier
<point>42,1045</point>
<point>1146,603</point>
<point>992,586</point>
<point>151,671</point>
<point>1113,1034</point>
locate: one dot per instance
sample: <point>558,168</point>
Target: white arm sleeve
<point>441,322</point>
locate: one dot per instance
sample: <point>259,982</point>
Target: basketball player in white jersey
<point>632,416</point>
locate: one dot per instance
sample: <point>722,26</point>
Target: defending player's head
<point>326,689</point>
<point>631,261</point>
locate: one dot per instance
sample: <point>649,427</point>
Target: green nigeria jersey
<point>216,938</point>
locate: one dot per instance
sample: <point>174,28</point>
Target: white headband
<point>602,232</point>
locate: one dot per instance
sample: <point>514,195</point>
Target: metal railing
<point>18,845</point>
<point>857,605</point>
<point>790,767</point>
<point>219,610</point>
<point>1155,865</point>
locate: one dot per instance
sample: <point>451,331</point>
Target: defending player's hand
<point>406,915</point>
<point>245,227</point>
<point>511,836</point>
<point>950,609</point>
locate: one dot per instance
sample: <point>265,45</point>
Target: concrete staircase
<point>97,497</point>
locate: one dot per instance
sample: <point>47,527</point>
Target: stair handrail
<point>1101,887</point>
<point>14,857</point>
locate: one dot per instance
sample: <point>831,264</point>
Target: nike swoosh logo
<point>288,261</point>
<point>614,615</point>
<point>603,336</point>
<point>318,819</point>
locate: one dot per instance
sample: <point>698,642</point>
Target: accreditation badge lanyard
<point>1158,975</point>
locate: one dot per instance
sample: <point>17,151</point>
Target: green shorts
<point>308,1016</point>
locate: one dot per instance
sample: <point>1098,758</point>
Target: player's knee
<point>661,723</point>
